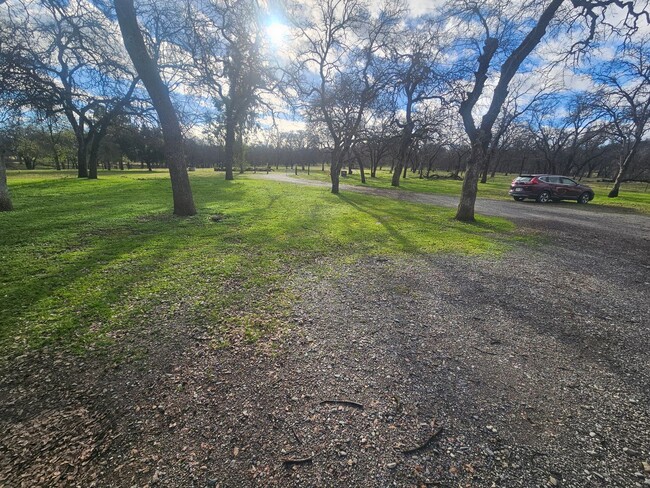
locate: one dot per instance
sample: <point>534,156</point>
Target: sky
<point>280,45</point>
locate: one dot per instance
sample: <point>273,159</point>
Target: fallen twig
<point>295,434</point>
<point>349,403</point>
<point>429,440</point>
<point>485,352</point>
<point>291,461</point>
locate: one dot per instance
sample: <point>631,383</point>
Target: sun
<point>278,33</point>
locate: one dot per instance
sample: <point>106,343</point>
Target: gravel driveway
<point>619,222</point>
<point>526,370</point>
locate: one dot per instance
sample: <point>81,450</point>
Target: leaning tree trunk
<point>401,157</point>
<point>465,211</point>
<point>171,128</point>
<point>622,168</point>
<point>5,199</point>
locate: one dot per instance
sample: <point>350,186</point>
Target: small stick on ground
<point>295,434</point>
<point>485,352</point>
<point>292,461</point>
<point>348,403</point>
<point>426,443</point>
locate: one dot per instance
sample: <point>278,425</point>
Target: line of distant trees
<point>529,148</point>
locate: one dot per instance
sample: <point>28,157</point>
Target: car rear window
<point>523,179</point>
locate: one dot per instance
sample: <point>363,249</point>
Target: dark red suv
<point>545,188</point>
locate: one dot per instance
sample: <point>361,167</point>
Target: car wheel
<point>584,198</point>
<point>519,199</point>
<point>544,197</point>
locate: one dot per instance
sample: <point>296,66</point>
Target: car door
<point>555,186</point>
<point>571,188</point>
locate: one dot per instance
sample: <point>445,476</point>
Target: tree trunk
<point>240,150</point>
<point>82,164</point>
<point>172,134</point>
<point>476,161</point>
<point>622,167</point>
<point>5,199</point>
<point>336,164</point>
<point>229,150</point>
<point>335,182</point>
<point>362,171</point>
<point>92,158</point>
<point>486,169</point>
<point>93,154</point>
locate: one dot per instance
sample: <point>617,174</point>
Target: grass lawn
<point>633,196</point>
<point>81,260</point>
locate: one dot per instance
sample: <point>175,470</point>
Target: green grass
<point>81,260</point>
<point>633,196</point>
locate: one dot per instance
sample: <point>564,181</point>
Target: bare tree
<point>509,35</point>
<point>171,128</point>
<point>623,97</point>
<point>225,40</point>
<point>73,64</point>
<point>415,54</point>
<point>563,140</point>
<point>376,140</point>
<point>523,97</point>
<point>342,46</point>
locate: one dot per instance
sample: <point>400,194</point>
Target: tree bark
<point>486,170</point>
<point>229,150</point>
<point>92,157</point>
<point>622,168</point>
<point>335,182</point>
<point>397,172</point>
<point>335,170</point>
<point>5,199</point>
<point>171,128</point>
<point>465,211</point>
<point>481,136</point>
<point>362,171</point>
<point>82,163</point>
<point>407,136</point>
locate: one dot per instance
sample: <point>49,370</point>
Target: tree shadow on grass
<point>75,251</point>
<point>405,244</point>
